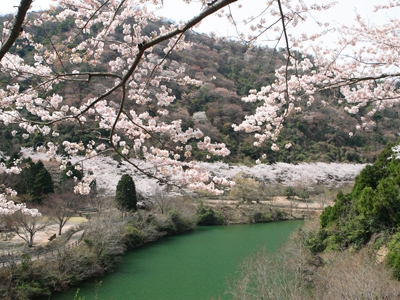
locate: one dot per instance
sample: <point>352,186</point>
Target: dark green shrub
<point>181,223</point>
<point>207,216</point>
<point>278,214</point>
<point>173,223</point>
<point>259,217</point>
<point>132,237</point>
<point>289,192</point>
<point>316,241</point>
<point>343,205</point>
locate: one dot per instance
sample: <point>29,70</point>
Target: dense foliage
<point>369,214</point>
<point>37,181</point>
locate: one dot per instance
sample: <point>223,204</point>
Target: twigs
<point>287,48</point>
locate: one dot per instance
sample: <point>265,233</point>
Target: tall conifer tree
<point>125,196</point>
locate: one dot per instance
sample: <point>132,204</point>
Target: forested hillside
<point>368,216</point>
<point>228,70</point>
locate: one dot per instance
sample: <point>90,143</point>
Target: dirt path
<point>279,202</point>
<point>41,238</point>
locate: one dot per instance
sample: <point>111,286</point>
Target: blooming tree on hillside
<point>136,78</point>
<point>126,104</point>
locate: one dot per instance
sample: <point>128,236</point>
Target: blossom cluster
<point>8,207</point>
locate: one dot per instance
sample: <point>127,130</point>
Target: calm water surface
<point>186,267</point>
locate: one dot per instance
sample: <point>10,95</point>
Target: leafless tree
<point>273,275</point>
<point>267,191</point>
<point>104,237</point>
<point>246,189</point>
<point>61,207</point>
<point>322,200</point>
<point>303,189</point>
<point>26,226</point>
<point>293,204</point>
<point>161,198</point>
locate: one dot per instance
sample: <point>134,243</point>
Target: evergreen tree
<point>28,175</point>
<point>43,182</point>
<point>37,181</point>
<point>289,192</point>
<point>125,196</point>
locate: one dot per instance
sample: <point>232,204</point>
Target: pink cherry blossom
<point>362,68</point>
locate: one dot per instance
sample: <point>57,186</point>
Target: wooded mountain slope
<point>228,69</point>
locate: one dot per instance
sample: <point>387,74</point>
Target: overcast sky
<point>343,13</point>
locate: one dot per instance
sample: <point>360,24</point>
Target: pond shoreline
<point>148,268</point>
<point>134,236</point>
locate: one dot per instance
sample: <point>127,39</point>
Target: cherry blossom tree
<point>127,103</point>
<point>17,217</point>
<point>361,70</point>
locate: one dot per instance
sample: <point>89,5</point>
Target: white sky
<point>343,13</point>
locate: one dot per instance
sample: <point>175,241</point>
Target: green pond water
<point>192,266</point>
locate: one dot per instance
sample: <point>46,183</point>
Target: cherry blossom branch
<point>287,47</point>
<point>163,59</point>
<point>16,27</point>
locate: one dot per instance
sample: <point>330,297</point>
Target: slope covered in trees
<point>229,70</point>
<point>370,214</point>
<point>93,71</point>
